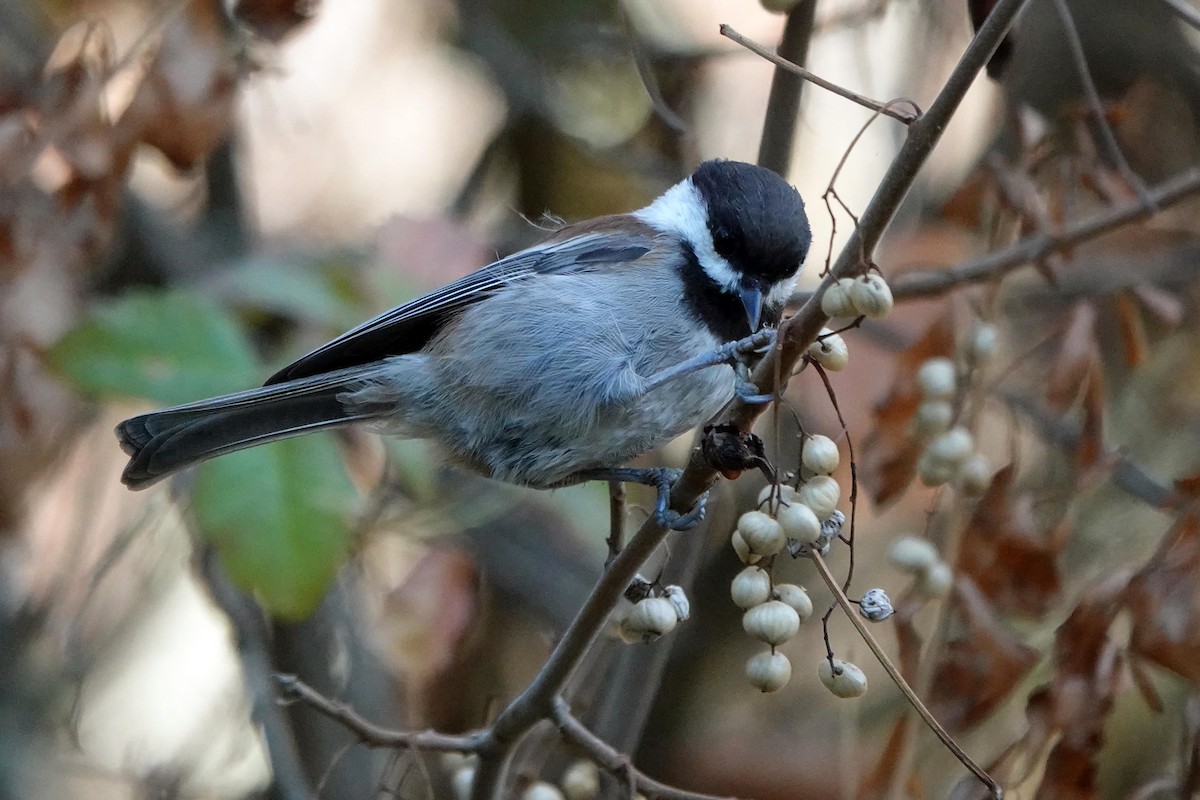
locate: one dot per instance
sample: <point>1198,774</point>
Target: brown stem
<point>784,64</point>
<point>927,283</point>
<point>898,679</point>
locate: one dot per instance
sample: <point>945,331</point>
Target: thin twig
<point>801,330</point>
<point>368,732</point>
<point>613,760</point>
<point>898,679</point>
<point>907,117</point>
<point>1108,139</point>
<point>927,283</point>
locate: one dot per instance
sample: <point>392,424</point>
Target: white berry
<point>540,790</point>
<point>975,475</point>
<point>875,605</point>
<point>830,351</point>
<point>786,494</point>
<point>821,493</point>
<point>938,379</point>
<point>842,678</point>
<point>952,447</point>
<point>462,781</point>
<point>872,296</point>
<point>838,301</point>
<point>934,471</point>
<point>581,781</point>
<point>762,534</point>
<point>751,587</point>
<point>820,455</point>
<point>768,672</point>
<point>910,554</point>
<point>981,343</point>
<point>794,596</point>
<point>799,522</point>
<point>650,619</point>
<point>933,417</point>
<point>935,582</point>
<point>773,622</point>
<point>743,550</point>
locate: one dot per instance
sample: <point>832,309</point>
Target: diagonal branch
<point>613,759</point>
<point>1185,12</point>
<point>898,679</point>
<point>537,701</point>
<point>926,283</point>
<point>368,732</point>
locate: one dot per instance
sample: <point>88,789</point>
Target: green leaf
<point>169,347</point>
<point>298,290</point>
<point>279,516</point>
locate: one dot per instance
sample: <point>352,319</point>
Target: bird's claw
<point>674,521</point>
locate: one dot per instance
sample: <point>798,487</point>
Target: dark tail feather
<point>164,442</point>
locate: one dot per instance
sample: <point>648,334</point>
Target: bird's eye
<point>723,242</point>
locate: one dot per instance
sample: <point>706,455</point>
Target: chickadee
<point>550,367</point>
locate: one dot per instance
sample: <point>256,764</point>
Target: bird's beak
<point>752,300</point>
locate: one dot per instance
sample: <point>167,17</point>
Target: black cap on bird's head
<point>745,236</point>
<point>758,228</point>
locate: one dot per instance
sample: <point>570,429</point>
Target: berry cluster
<point>949,456</point>
<point>865,296</point>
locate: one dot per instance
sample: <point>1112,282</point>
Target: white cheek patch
<point>780,292</point>
<point>681,211</point>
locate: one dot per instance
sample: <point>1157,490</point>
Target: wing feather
<point>409,327</point>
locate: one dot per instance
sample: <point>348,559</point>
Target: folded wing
<point>409,327</point>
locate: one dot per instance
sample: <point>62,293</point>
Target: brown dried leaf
<point>185,103</point>
<point>1081,694</point>
<point>981,664</point>
<point>890,451</point>
<point>1007,555</point>
<point>1164,598</point>
<point>1188,487</point>
<point>1133,329</point>
<point>966,206</point>
<point>1075,356</point>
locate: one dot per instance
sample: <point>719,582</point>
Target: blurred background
<point>194,194</point>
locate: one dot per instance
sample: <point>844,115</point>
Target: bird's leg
<point>733,353</point>
<point>661,479</point>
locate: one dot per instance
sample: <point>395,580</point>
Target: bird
<point>553,366</point>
